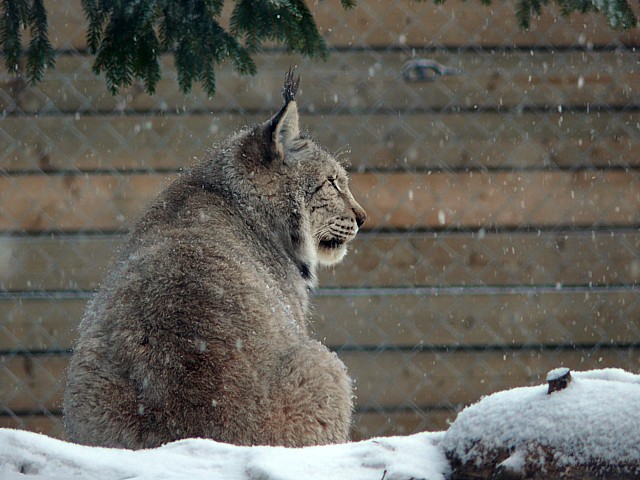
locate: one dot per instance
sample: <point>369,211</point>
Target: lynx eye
<point>331,180</point>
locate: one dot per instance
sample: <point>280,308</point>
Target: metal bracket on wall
<point>425,70</point>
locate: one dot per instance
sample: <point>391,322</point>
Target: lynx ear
<point>287,129</point>
<point>283,127</point>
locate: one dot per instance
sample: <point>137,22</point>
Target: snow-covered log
<point>583,425</point>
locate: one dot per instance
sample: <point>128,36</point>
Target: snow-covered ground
<point>595,418</point>
<point>393,458</point>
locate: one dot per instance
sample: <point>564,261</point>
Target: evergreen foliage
<point>128,36</point>
<point>15,16</point>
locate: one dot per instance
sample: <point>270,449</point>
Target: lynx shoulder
<point>200,329</point>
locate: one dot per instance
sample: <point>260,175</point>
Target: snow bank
<point>594,420</point>
<point>30,456</point>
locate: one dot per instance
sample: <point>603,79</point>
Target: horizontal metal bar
<point>475,290</point>
<point>418,348</point>
<point>390,170</point>
<point>506,348</point>
<point>338,111</point>
<point>489,290</point>
<point>613,230</point>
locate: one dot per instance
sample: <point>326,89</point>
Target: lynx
<point>200,329</point>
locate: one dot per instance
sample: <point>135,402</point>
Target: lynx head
<point>333,214</point>
<point>299,184</point>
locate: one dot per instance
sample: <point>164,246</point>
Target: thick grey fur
<point>200,329</point>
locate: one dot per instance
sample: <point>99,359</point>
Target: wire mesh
<point>499,169</point>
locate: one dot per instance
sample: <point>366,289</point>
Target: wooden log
<point>385,379</point>
<point>450,259</point>
<point>510,435</point>
<point>411,141</point>
<point>360,81</point>
<point>558,379</point>
<point>381,24</point>
<point>361,319</point>
<point>527,467</point>
<point>583,198</point>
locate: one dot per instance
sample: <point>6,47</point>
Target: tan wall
<point>503,200</point>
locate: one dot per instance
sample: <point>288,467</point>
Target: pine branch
<point>287,21</point>
<point>97,18</point>
<point>12,20</point>
<point>17,15</point>
<point>200,44</point>
<point>312,43</point>
<point>40,54</point>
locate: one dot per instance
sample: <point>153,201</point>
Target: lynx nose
<point>361,216</point>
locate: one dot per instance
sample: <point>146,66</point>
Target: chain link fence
<point>499,169</point>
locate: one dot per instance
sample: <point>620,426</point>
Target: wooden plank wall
<point>503,200</point>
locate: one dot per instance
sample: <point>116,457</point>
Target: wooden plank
<point>365,424</point>
<point>32,383</point>
<point>584,198</point>
<point>357,81</point>
<point>384,379</point>
<point>411,141</point>
<point>391,379</point>
<point>456,23</point>
<point>50,425</point>
<point>380,24</point>
<point>362,319</point>
<point>92,202</point>
<point>376,260</point>
<point>503,199</point>
<point>39,324</point>
<point>462,259</point>
<point>492,318</point>
<point>56,263</point>
<point>390,423</point>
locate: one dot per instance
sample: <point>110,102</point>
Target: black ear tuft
<point>283,127</point>
<point>290,87</point>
